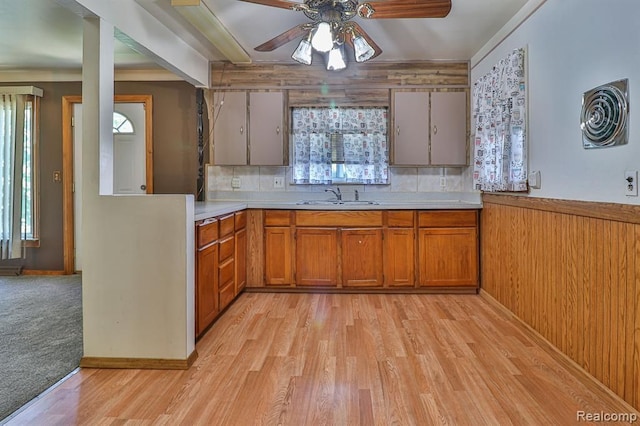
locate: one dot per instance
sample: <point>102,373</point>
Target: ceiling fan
<point>331,26</point>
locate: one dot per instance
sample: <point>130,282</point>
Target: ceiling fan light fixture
<point>322,39</point>
<point>303,53</point>
<point>362,49</point>
<point>336,61</point>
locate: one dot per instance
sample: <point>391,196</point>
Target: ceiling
<point>50,37</point>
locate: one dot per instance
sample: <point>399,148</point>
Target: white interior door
<point>129,163</point>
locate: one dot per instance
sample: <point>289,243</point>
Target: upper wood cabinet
<point>411,128</point>
<point>249,129</point>
<point>430,128</point>
<point>266,129</point>
<point>230,129</point>
<point>449,128</point>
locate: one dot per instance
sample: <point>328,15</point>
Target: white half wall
<point>140,274</point>
<point>573,46</point>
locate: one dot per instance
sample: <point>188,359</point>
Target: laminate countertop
<point>221,207</point>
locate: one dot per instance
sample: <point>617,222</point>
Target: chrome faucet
<point>336,192</point>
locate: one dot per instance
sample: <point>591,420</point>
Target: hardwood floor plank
<point>347,359</point>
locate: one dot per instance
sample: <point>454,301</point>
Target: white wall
<point>573,46</point>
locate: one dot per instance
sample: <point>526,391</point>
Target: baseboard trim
<point>37,272</point>
<point>560,356</point>
<point>139,363</point>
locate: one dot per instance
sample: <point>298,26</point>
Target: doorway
<point>133,161</point>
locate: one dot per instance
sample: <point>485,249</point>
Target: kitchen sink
<point>336,202</point>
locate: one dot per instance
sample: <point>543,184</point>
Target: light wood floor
<point>327,359</point>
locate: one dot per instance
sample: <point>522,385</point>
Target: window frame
<point>34,239</point>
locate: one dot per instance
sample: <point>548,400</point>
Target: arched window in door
<point>122,124</point>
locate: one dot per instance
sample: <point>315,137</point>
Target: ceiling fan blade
<point>283,38</point>
<point>407,9</point>
<point>283,4</point>
<point>366,36</point>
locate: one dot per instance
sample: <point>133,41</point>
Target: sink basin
<point>336,203</point>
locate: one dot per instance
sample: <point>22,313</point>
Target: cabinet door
<point>411,128</point>
<point>362,257</point>
<point>230,129</point>
<point>206,287</point>
<point>316,257</point>
<point>277,252</point>
<point>266,129</point>
<point>448,128</point>
<point>399,257</point>
<point>448,257</point>
<point>241,260</point>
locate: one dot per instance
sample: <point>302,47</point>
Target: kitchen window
<point>340,145</point>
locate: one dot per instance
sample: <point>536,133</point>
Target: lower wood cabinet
<point>220,265</point>
<point>206,293</point>
<point>399,257</point>
<point>316,257</point>
<point>277,242</point>
<point>399,250</point>
<point>448,248</point>
<point>362,257</point>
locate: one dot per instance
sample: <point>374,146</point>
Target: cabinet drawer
<point>227,294</point>
<point>400,219</point>
<point>240,220</point>
<point>339,218</point>
<point>447,218</point>
<point>225,273</point>
<point>277,218</point>
<point>207,232</point>
<point>227,225</point>
<point>227,247</point>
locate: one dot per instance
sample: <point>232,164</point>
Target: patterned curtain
<point>311,145</point>
<point>362,143</point>
<point>499,110</point>
<point>366,152</point>
<point>11,151</point>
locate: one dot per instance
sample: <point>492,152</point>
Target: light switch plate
<point>278,182</point>
<point>631,183</point>
<point>534,179</point>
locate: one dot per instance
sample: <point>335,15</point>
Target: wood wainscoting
<point>571,271</point>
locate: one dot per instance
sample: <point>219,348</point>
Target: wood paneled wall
<point>571,271</point>
<point>367,75</point>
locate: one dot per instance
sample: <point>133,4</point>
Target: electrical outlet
<point>235,182</point>
<point>278,182</point>
<point>443,182</point>
<point>631,183</point>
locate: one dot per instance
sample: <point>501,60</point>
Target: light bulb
<point>322,39</point>
<point>303,53</point>
<point>362,49</point>
<point>336,59</point>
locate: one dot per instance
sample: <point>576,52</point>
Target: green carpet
<point>40,335</point>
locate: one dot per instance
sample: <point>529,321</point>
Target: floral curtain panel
<point>499,111</point>
<point>362,144</point>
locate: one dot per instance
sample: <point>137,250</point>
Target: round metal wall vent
<point>605,114</point>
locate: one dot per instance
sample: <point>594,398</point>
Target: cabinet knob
<point>398,131</point>
<point>241,130</point>
<point>278,130</point>
<point>435,130</point>
<point>143,187</point>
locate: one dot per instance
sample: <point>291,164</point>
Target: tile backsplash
<point>402,179</point>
